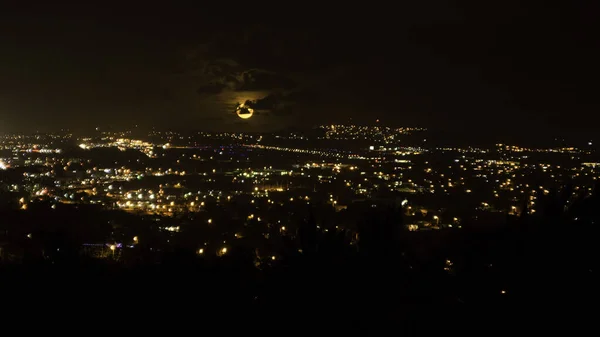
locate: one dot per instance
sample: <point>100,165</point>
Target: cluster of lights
<point>514,148</point>
<point>356,132</point>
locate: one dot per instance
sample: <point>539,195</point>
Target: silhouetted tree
<point>307,233</point>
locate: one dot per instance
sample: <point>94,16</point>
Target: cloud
<point>248,80</point>
<point>229,62</point>
<point>257,79</point>
<point>282,104</point>
<point>210,89</point>
<point>228,71</point>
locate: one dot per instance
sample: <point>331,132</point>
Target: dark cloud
<point>264,80</point>
<point>210,89</point>
<point>282,104</point>
<point>251,80</point>
<point>257,66</point>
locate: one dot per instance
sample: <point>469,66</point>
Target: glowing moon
<point>244,112</point>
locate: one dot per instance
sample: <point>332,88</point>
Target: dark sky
<point>436,64</point>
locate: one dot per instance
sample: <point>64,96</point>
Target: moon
<point>243,111</point>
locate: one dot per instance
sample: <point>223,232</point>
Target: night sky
<point>434,64</point>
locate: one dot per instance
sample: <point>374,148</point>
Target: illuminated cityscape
<point>373,171</point>
<point>248,181</point>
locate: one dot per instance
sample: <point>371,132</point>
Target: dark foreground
<point>532,274</point>
<point>349,296</point>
